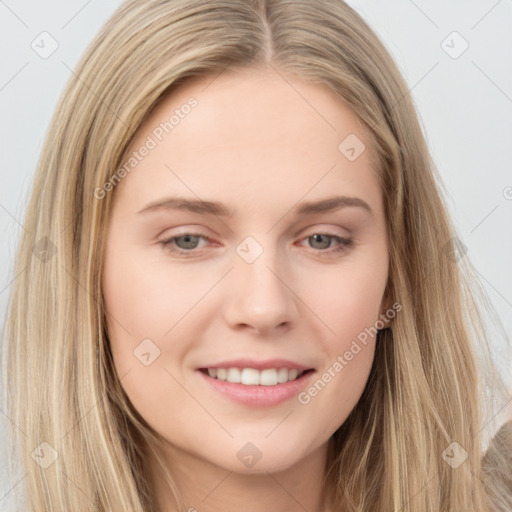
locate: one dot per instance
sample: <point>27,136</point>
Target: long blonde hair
<point>425,399</point>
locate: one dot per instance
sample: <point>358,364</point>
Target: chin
<point>259,456</point>
<point>267,464</point>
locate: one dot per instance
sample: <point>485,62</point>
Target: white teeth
<point>250,377</point>
<point>233,375</point>
<point>282,375</point>
<point>253,377</point>
<point>268,377</point>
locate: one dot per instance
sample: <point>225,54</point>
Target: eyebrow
<point>327,205</point>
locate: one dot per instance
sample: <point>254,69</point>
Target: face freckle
<point>252,192</point>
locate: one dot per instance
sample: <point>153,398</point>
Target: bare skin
<point>261,145</point>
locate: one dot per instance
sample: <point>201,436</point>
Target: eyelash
<point>344,244</point>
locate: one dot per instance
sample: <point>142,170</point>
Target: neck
<point>206,487</point>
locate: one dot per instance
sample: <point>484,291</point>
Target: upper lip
<point>258,365</point>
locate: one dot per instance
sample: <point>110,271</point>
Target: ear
<point>385,303</point>
<point>386,306</point>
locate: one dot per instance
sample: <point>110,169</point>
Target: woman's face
<point>274,271</point>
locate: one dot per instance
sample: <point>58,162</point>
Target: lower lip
<point>259,396</point>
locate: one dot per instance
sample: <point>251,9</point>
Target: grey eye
<point>318,238</point>
<point>190,241</point>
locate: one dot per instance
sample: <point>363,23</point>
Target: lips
<point>258,365</point>
<point>257,383</point>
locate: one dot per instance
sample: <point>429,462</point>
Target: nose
<point>261,296</point>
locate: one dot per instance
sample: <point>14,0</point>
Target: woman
<point>253,368</point>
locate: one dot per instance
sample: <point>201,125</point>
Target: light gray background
<point>465,104</point>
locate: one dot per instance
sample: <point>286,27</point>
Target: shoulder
<point>497,469</point>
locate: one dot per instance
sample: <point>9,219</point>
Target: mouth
<point>250,387</point>
<point>254,377</point>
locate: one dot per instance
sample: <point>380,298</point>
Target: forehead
<point>252,131</point>
<point>255,98</point>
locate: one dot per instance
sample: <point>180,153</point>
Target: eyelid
<point>302,233</point>
<point>343,243</point>
<point>327,229</point>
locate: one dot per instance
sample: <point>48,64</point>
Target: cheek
<point>147,299</point>
<point>347,300</point>
<point>338,388</point>
<point>142,305</point>
<point>349,307</point>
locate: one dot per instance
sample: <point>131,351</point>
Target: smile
<point>257,388</point>
<point>254,377</point>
